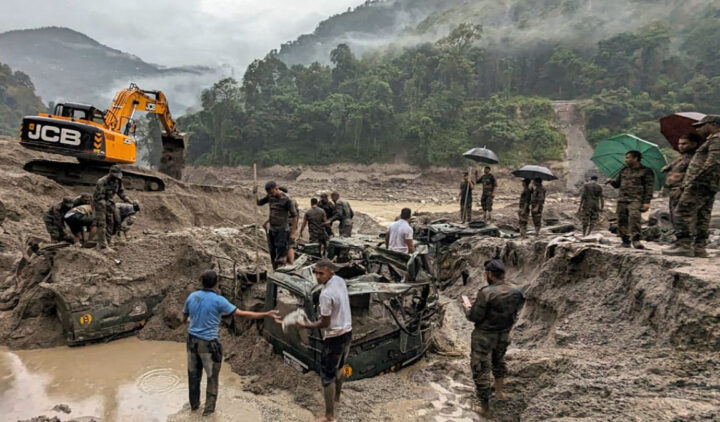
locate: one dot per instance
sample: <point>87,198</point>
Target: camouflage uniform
<point>104,207</point>
<point>344,214</point>
<point>537,201</point>
<point>494,312</point>
<point>329,209</point>
<point>488,187</point>
<point>54,220</point>
<point>126,214</point>
<point>465,202</point>
<point>315,217</point>
<point>636,188</point>
<point>700,185</point>
<point>674,181</point>
<point>282,212</point>
<point>3,212</point>
<point>591,196</point>
<point>524,212</point>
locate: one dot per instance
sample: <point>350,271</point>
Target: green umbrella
<point>609,156</point>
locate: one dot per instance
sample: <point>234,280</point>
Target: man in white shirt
<point>336,324</point>
<point>400,235</point>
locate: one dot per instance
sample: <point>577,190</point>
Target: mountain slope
<point>68,65</point>
<point>373,24</point>
<point>507,24</point>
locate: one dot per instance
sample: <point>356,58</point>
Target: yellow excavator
<point>99,139</point>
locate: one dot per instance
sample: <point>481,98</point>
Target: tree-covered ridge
<point>17,99</point>
<point>428,103</point>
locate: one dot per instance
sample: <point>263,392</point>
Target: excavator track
<point>87,173</point>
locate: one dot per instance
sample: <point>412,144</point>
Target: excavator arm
<point>119,118</point>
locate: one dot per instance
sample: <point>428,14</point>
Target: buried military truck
<point>394,306</point>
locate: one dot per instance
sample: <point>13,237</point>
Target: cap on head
<point>495,266</point>
<point>116,171</point>
<point>323,196</point>
<point>593,178</point>
<point>710,118</point>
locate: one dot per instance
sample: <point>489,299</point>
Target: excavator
<point>99,139</point>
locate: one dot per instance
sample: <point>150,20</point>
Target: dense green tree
<point>17,99</point>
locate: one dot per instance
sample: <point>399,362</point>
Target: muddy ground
<point>606,334</point>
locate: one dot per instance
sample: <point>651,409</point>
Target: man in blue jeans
<point>205,308</point>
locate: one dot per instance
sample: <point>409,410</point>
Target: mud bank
<point>605,333</point>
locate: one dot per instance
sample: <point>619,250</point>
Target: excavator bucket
<point>172,161</point>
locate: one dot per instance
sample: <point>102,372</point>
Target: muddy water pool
<point>125,380</point>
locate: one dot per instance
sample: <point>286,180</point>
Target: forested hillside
<point>428,102</point>
<point>17,98</point>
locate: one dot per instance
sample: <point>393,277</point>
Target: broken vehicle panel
<point>393,321</point>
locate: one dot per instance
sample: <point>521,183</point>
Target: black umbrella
<point>482,155</point>
<point>533,172</point>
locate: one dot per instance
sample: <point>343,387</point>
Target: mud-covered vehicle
<point>394,308</point>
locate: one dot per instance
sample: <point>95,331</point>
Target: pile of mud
<point>605,333</point>
<point>377,182</point>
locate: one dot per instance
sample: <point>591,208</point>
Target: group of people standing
<point>693,180</point>
<point>281,225</point>
<point>532,199</point>
<point>78,220</point>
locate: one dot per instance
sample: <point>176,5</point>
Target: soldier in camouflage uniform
<point>494,313</point>
<point>329,209</point>
<point>283,217</point>
<point>344,214</point>
<point>635,182</point>
<point>676,170</point>
<point>524,212</point>
<point>701,183</point>
<point>591,202</point>
<point>466,188</point>
<point>3,213</point>
<point>54,220</point>
<point>489,186</point>
<point>104,206</point>
<point>537,201</point>
<point>315,219</point>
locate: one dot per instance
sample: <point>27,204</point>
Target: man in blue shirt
<point>205,308</point>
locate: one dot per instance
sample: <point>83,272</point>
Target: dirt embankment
<point>606,334</point>
<point>375,182</point>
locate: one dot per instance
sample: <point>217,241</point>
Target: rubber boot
<point>484,408</point>
<point>210,400</point>
<point>637,245</point>
<point>680,248</point>
<point>499,388</point>
<point>626,243</point>
<point>329,395</point>
<point>700,252</point>
<point>584,230</point>
<point>523,232</point>
<point>537,231</point>
<point>589,230</point>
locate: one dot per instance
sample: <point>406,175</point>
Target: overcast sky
<point>179,32</point>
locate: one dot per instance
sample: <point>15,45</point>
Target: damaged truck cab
<point>393,320</point>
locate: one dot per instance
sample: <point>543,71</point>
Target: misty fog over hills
<point>66,65</point>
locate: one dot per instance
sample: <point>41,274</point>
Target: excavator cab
<point>79,112</point>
